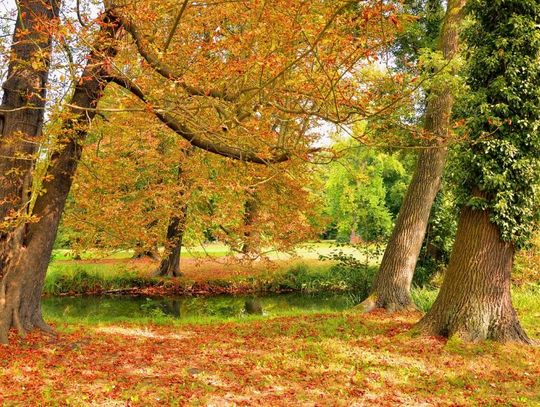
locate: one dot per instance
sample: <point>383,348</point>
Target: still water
<point>189,307</point>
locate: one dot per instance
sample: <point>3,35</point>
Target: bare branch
<point>175,25</point>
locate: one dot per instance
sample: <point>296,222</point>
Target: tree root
<point>368,305</point>
<point>374,302</point>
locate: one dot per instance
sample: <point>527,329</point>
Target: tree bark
<point>391,288</point>
<point>22,284</point>
<point>474,301</point>
<point>22,108</point>
<point>250,209</point>
<point>170,265</point>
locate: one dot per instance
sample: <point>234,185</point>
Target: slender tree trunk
<point>474,301</point>
<point>22,284</point>
<point>170,265</point>
<point>22,115</point>
<point>250,209</point>
<point>391,288</point>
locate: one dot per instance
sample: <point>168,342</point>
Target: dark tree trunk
<point>22,284</point>
<point>22,115</point>
<point>143,253</point>
<point>170,265</point>
<point>474,301</point>
<point>391,288</point>
<point>250,209</point>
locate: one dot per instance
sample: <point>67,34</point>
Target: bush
<point>78,280</point>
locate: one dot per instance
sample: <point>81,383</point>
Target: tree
<point>169,266</point>
<point>500,171</point>
<point>21,116</point>
<point>364,186</point>
<point>225,79</point>
<point>22,281</point>
<point>391,288</point>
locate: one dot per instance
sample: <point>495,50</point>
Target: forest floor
<point>318,359</point>
<point>314,359</point>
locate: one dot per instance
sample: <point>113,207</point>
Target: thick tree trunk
<point>22,284</point>
<point>391,288</point>
<point>474,301</point>
<point>170,265</point>
<point>22,115</point>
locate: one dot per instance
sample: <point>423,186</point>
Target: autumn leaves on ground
<point>403,135</point>
<point>328,359</point>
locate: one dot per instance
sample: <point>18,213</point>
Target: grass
<point>292,358</point>
<point>317,359</point>
<point>68,277</point>
<point>91,278</point>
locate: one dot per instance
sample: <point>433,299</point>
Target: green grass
<point>88,278</point>
<point>69,277</point>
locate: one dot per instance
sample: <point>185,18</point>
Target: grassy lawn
<point>308,251</point>
<point>316,359</point>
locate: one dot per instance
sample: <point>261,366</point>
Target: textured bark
<point>474,301</point>
<point>22,108</point>
<point>170,265</point>
<point>22,284</point>
<point>391,288</point>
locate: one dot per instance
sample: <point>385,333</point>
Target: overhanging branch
<point>202,143</point>
<point>163,69</point>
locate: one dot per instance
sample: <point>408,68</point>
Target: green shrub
<point>85,279</point>
<point>424,297</point>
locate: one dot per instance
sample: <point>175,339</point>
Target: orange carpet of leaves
<point>328,359</point>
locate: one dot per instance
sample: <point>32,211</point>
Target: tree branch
<point>175,25</point>
<point>202,143</point>
<point>163,69</point>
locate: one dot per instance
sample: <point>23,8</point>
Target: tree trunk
<point>474,301</point>
<point>250,209</point>
<point>22,284</point>
<point>144,253</point>
<point>170,265</point>
<point>391,288</point>
<point>22,115</point>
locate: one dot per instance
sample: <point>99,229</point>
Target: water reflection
<point>224,306</point>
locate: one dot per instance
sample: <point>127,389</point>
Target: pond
<point>104,308</point>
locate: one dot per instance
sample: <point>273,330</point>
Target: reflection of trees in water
<point>253,306</point>
<point>171,307</point>
<point>108,307</point>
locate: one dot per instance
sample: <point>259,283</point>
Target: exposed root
<point>45,328</point>
<point>368,305</point>
<point>374,302</point>
<point>17,323</point>
<point>512,333</point>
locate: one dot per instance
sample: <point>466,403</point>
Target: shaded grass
<point>90,278</point>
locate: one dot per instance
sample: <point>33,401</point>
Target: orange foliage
<point>333,359</point>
